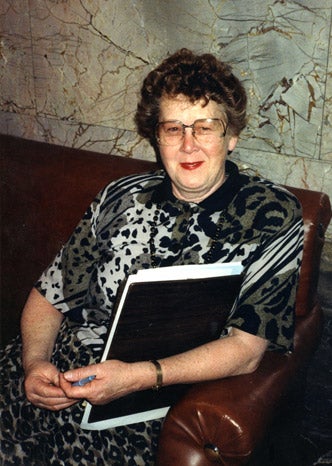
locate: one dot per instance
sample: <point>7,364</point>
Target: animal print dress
<point>247,219</point>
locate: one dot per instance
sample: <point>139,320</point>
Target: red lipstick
<point>191,165</point>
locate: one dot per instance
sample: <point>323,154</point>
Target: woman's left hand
<point>113,379</point>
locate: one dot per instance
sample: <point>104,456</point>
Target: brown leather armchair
<point>44,191</point>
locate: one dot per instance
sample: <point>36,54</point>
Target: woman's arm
<point>40,325</point>
<point>238,353</point>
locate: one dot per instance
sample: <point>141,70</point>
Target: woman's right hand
<point>42,387</point>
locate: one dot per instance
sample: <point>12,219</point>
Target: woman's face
<point>196,170</point>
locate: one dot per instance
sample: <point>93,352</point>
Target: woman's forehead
<point>180,106</point>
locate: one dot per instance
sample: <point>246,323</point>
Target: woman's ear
<point>232,143</point>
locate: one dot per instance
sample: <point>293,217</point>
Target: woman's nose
<point>189,143</point>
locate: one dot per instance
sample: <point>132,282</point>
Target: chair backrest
<point>316,209</point>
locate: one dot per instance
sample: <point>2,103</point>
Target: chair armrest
<point>225,420</point>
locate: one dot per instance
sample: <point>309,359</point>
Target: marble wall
<point>71,70</point>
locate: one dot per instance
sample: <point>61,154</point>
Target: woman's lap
<point>33,436</point>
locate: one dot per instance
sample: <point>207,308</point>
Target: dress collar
<point>218,200</point>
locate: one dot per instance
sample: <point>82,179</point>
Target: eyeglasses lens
<point>171,133</point>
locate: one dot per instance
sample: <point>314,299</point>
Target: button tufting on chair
<point>212,453</point>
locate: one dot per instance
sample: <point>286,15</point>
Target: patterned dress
<point>130,223</point>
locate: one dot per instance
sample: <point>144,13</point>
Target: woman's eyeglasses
<point>204,130</point>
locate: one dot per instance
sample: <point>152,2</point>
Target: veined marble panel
<point>326,148</point>
<point>283,169</point>
<point>86,65</point>
<point>16,73</point>
<point>280,50</point>
<point>102,139</point>
<point>89,58</point>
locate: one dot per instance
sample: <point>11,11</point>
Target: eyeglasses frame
<point>192,126</point>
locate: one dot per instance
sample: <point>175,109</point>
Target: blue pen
<point>82,382</point>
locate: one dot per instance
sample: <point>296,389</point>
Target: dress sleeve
<point>266,305</point>
<point>65,282</point>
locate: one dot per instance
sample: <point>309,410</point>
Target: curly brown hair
<point>197,77</point>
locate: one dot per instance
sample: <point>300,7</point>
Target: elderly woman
<point>197,209</point>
